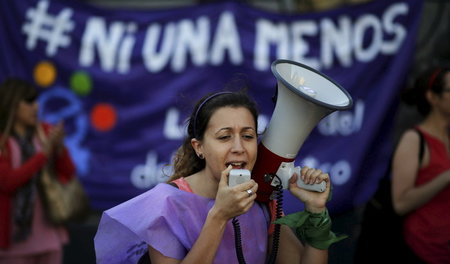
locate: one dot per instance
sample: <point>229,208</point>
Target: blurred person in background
<point>421,170</point>
<point>25,234</point>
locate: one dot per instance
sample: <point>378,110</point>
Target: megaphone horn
<point>304,97</point>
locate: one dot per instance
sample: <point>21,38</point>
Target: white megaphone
<point>304,97</point>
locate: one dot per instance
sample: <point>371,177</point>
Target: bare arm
<point>405,165</point>
<point>292,251</point>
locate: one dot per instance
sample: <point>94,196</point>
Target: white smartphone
<point>238,176</point>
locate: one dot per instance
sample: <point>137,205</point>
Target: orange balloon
<point>103,117</point>
<point>45,73</point>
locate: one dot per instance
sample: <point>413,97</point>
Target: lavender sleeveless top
<point>170,220</point>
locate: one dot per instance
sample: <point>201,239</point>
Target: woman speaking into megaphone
<point>198,217</point>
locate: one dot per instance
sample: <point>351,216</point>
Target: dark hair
<point>12,91</point>
<point>430,80</point>
<point>186,161</point>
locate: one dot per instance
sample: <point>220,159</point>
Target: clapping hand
<point>54,142</point>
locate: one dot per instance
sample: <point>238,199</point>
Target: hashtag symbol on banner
<point>40,25</point>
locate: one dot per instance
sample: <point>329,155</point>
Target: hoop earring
<point>200,156</point>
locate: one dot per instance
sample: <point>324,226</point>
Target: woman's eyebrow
<point>223,128</point>
<point>229,128</point>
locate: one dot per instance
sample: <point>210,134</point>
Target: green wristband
<point>313,229</point>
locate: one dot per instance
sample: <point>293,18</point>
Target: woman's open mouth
<point>236,164</point>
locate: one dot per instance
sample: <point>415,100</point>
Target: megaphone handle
<point>316,187</point>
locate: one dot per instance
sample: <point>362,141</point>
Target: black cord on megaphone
<point>278,213</point>
<point>238,241</point>
<point>276,234</point>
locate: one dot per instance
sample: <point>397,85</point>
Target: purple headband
<point>200,107</point>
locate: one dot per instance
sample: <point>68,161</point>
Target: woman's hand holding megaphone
<point>315,202</point>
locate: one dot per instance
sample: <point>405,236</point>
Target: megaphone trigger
<point>316,187</point>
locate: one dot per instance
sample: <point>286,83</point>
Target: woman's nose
<point>237,145</point>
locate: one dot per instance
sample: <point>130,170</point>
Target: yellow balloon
<point>44,74</point>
